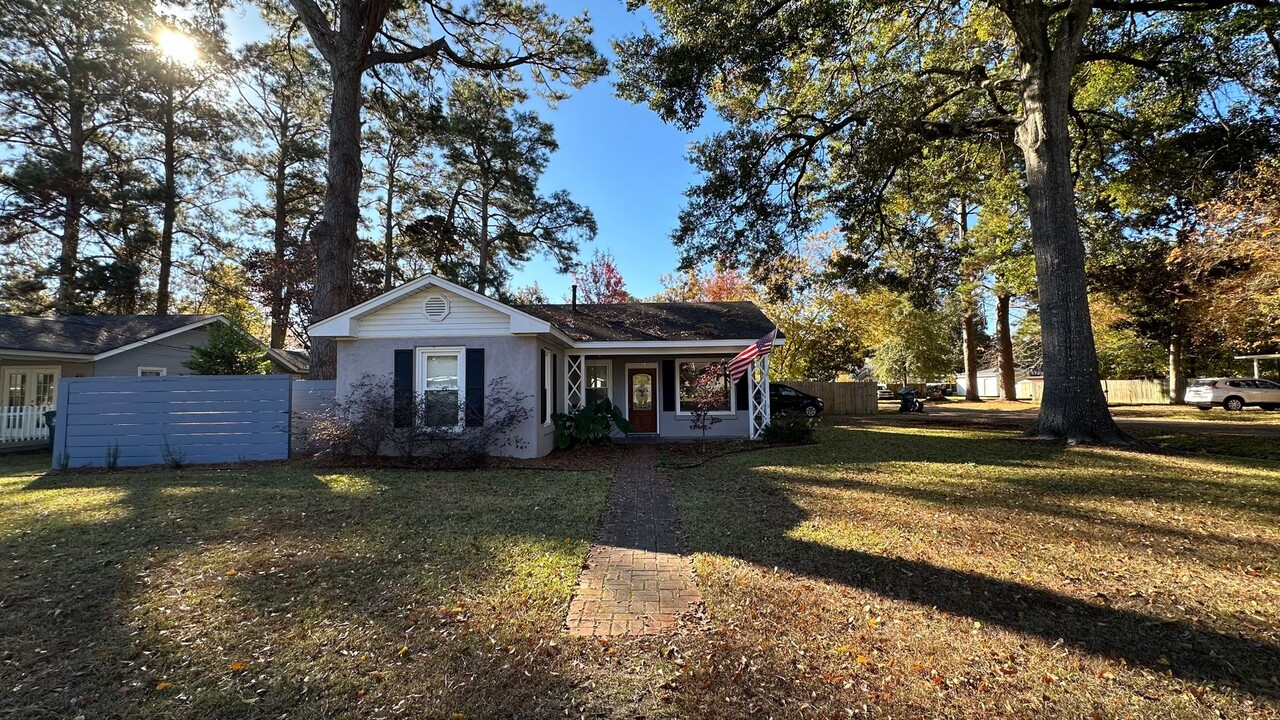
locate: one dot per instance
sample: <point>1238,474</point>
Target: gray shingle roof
<point>85,334</point>
<point>655,322</point>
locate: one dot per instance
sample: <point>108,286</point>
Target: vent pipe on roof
<point>574,290</point>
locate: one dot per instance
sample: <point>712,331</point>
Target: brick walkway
<point>635,581</point>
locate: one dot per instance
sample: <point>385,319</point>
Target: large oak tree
<point>829,100</point>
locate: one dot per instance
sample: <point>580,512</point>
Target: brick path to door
<point>636,580</point>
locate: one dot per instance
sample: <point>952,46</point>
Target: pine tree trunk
<point>388,240</point>
<point>971,356</point>
<point>1073,407</point>
<point>483,281</point>
<point>170,200</point>
<point>1004,349</point>
<point>69,254</point>
<point>279,309</point>
<point>335,235</point>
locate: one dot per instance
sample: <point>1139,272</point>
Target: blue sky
<point>616,158</point>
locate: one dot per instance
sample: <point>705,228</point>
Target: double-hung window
<point>597,381</point>
<point>441,386</point>
<point>697,384</point>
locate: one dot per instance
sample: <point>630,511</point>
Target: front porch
<point>652,390</point>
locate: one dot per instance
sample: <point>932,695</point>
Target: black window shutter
<point>555,381</point>
<point>668,386</point>
<point>542,384</point>
<point>402,390</point>
<point>741,389</point>
<point>475,387</point>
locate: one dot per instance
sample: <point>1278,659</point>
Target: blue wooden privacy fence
<point>129,421</point>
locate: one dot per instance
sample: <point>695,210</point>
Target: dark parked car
<point>784,398</point>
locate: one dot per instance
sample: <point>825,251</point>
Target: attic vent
<point>436,307</point>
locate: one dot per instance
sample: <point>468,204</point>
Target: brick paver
<point>635,580</point>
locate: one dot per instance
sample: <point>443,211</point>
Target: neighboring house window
<point>152,371</point>
<point>548,363</point>
<point>440,382</point>
<point>598,380</point>
<point>688,371</point>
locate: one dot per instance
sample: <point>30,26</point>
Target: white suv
<point>1233,393</point>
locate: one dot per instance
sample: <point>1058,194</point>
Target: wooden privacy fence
<point>1136,392</point>
<point>840,398</point>
<point>1119,392</point>
<point>124,421</point>
<point>310,398</point>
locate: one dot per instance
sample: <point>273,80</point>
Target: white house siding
<point>169,353</point>
<point>516,358</point>
<point>406,318</point>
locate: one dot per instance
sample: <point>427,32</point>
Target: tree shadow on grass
<point>745,511</point>
<point>144,609</point>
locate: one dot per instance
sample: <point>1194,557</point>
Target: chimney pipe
<point>575,297</point>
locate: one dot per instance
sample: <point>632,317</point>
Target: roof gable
<point>399,313</point>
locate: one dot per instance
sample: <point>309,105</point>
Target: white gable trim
<point>345,323</point>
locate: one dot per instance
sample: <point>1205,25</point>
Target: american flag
<point>741,362</point>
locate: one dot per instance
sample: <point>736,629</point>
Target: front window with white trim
<point>688,371</point>
<point>597,380</point>
<point>152,371</point>
<point>439,380</point>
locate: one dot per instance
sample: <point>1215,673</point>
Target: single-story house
<point>434,335</point>
<point>989,382</point>
<point>35,352</point>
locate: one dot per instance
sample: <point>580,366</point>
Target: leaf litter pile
<point>889,572</point>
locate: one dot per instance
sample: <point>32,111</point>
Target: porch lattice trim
<point>575,377</point>
<point>758,395</point>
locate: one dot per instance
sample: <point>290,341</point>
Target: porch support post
<point>758,395</point>
<point>575,378</point>
<point>1256,372</point>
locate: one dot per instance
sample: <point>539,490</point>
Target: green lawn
<point>283,589</point>
<point>891,571</point>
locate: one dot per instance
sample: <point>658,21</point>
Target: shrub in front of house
<point>591,424</point>
<point>791,428</point>
<point>369,424</point>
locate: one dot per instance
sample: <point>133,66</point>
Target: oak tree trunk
<point>1073,407</point>
<point>335,235</point>
<point>971,356</point>
<point>1177,378</point>
<point>1004,350</point>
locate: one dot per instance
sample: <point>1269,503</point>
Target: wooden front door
<point>642,408</point>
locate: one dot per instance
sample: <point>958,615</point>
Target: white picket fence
<point>23,424</point>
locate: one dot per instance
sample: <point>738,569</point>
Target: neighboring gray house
<point>35,352</point>
<point>431,335</point>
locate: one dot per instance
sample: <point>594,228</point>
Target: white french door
<point>29,392</point>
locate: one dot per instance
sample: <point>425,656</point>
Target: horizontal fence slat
<point>202,419</point>
<point>150,418</point>
<point>158,396</point>
<point>173,430</point>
